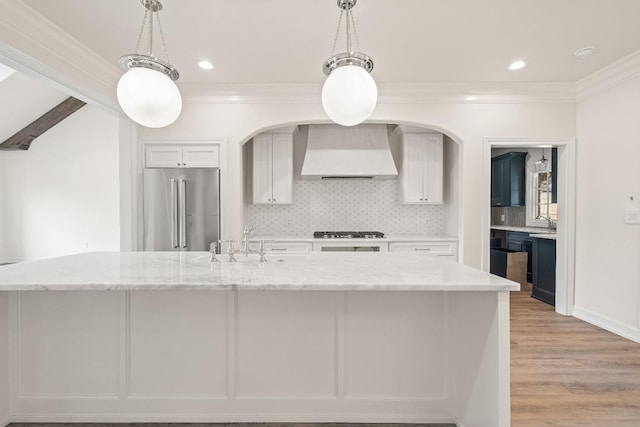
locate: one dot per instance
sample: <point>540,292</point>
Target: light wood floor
<point>565,372</point>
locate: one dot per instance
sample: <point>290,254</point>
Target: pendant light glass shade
<point>349,95</point>
<point>149,97</point>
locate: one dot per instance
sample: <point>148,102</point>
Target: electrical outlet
<point>632,216</point>
<point>502,217</point>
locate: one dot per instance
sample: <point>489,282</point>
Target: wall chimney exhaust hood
<point>353,152</point>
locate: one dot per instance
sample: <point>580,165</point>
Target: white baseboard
<point>604,322</point>
<point>222,418</point>
<point>5,422</point>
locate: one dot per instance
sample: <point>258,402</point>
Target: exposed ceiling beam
<point>22,139</point>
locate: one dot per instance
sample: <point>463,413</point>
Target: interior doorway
<point>565,243</point>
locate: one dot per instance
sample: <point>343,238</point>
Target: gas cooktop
<point>348,235</point>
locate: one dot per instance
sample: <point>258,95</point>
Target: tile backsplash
<point>506,215</point>
<point>345,205</point>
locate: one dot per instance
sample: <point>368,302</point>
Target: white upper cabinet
<point>184,156</point>
<point>273,168</point>
<point>421,172</point>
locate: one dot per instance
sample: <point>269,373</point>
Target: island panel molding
<point>382,368</point>
<point>167,357</point>
<point>52,354</point>
<point>371,337</point>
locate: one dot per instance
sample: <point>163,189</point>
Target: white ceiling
<point>411,41</point>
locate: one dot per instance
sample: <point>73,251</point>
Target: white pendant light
<point>147,92</point>
<point>349,94</point>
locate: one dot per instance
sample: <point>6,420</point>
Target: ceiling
<point>411,41</point>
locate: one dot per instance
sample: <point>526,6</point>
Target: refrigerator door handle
<point>182,205</point>
<point>174,213</point>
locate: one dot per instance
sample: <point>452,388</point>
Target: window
<point>544,209</point>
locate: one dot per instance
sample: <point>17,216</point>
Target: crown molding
<point>35,46</point>
<point>610,76</point>
<point>388,93</point>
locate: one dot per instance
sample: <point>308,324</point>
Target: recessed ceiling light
<point>471,98</point>
<point>585,52</point>
<point>517,65</point>
<point>205,65</point>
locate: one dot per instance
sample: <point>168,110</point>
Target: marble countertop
<point>390,238</point>
<point>316,271</point>
<point>537,230</point>
<point>549,236</point>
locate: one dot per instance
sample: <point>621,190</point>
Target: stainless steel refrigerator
<point>181,209</point>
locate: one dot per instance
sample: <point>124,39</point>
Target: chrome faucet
<point>212,250</point>
<point>231,249</point>
<point>246,231</point>
<point>262,251</point>
<point>551,224</point>
<point>246,250</point>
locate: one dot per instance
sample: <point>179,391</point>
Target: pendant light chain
<point>335,39</point>
<point>144,23</point>
<point>148,16</point>
<point>350,28</point>
<point>151,34</point>
<point>355,32</point>
<point>164,44</point>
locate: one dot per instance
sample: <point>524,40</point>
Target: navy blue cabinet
<point>544,270</point>
<point>508,179</point>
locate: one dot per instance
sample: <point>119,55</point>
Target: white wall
<point>3,205</point>
<point>62,195</point>
<point>4,358</point>
<point>607,250</point>
<point>463,122</point>
<point>24,100</point>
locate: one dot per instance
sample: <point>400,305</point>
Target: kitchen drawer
<point>429,248</point>
<point>276,247</point>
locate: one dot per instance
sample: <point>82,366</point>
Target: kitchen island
<point>362,337</point>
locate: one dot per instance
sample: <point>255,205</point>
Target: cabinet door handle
<point>421,249</point>
<point>517,243</point>
<point>278,249</point>
<point>274,200</point>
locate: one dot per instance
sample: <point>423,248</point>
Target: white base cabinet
<point>273,168</point>
<point>421,170</point>
<point>283,247</point>
<point>433,248</point>
<point>258,356</point>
